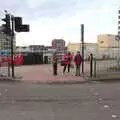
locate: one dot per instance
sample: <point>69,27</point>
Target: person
<point>55,61</point>
<point>67,59</point>
<point>78,60</point>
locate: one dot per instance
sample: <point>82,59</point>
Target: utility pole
<point>82,41</point>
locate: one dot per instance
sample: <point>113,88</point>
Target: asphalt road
<point>90,101</point>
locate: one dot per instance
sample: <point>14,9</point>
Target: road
<point>90,101</point>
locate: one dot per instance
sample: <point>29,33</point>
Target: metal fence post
<point>8,69</point>
<point>12,52</point>
<point>94,67</point>
<point>91,65</point>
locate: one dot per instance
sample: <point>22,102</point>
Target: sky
<point>61,19</point>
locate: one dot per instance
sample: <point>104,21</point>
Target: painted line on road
<point>6,90</point>
<point>106,106</point>
<point>96,93</point>
<point>114,116</point>
<point>100,100</point>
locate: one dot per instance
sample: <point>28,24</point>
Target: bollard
<point>91,65</point>
<point>8,69</point>
<point>94,67</point>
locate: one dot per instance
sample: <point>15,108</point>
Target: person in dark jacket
<point>78,60</point>
<point>55,61</point>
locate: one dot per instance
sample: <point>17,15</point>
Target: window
<point>118,17</point>
<point>101,42</point>
<point>118,32</point>
<point>119,11</point>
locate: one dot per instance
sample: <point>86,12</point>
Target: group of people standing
<point>67,62</point>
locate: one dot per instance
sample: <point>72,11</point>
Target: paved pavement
<point>43,74</point>
<point>59,102</point>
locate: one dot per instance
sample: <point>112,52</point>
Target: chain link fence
<point>105,66</point>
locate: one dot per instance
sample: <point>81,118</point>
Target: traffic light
<point>6,28</point>
<point>18,23</point>
<point>19,27</point>
<point>24,28</point>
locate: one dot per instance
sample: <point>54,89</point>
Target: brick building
<point>59,45</point>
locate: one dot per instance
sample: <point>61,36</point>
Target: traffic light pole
<point>17,26</point>
<point>12,53</point>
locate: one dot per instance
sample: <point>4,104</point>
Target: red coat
<point>67,59</point>
<point>78,59</point>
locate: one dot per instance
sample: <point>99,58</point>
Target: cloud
<point>51,19</point>
<point>97,19</point>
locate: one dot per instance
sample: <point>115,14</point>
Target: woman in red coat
<point>67,59</point>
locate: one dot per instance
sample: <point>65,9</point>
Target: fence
<point>5,53</point>
<point>105,66</point>
<point>4,66</point>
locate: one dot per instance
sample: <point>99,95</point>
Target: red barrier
<point>18,60</point>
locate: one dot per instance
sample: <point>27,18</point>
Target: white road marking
<point>100,99</point>
<point>96,93</point>
<point>6,90</point>
<point>106,106</point>
<point>114,116</point>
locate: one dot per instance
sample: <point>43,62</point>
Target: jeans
<point>66,66</point>
<point>54,69</point>
<point>77,70</point>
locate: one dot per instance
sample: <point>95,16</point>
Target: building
<point>59,45</point>
<point>22,49</point>
<point>118,22</point>
<point>30,49</point>
<point>88,48</point>
<point>108,46</point>
<point>5,45</point>
<point>49,53</point>
<point>46,51</point>
<point>74,47</point>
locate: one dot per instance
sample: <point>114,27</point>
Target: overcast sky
<point>51,19</point>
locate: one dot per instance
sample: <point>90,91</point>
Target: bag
<point>72,65</point>
<point>62,63</point>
